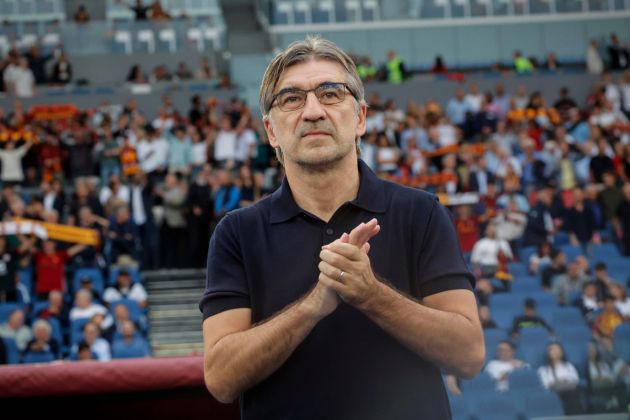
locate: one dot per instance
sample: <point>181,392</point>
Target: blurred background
<point>128,129</point>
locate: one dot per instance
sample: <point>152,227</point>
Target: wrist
<point>375,298</point>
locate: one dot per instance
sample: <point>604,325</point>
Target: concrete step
<point>160,285</point>
<point>175,296</point>
<point>177,336</point>
<point>177,349</point>
<point>187,311</point>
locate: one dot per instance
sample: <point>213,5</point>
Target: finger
<point>337,260</point>
<point>364,232</point>
<point>338,287</point>
<point>329,270</point>
<point>348,251</point>
<point>366,247</point>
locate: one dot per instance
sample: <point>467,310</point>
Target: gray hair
<point>311,48</point>
<point>42,323</point>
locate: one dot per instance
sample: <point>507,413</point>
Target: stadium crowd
<point>539,186</point>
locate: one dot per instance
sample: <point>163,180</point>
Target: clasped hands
<point>345,266</point>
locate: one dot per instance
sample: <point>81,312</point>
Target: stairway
<point>174,318</point>
<point>245,34</point>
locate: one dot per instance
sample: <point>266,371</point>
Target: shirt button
<point>329,231</point>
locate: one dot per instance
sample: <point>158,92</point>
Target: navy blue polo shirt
<point>265,257</point>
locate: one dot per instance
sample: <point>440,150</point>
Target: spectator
<point>227,196</point>
<point>438,66</point>
<point>11,158</point>
<point>141,207</point>
<point>552,62</point>
<point>486,318</point>
<point>200,210</point>
<point>602,280</point>
<point>84,352</point>
<point>565,285</point>
<point>62,71</point>
<point>157,13</point>
<point>42,341</point>
<point>182,72</point>
<point>500,368</point>
<point>225,143</point>
<point>173,232</point>
<point>607,321</point>
<point>56,309</point>
<point>540,226</point>
<point>618,55</point>
<point>579,221</point>
<point>125,289</point>
<point>588,302</point>
<point>83,197</point>
<point>136,76</point>
<point>81,16</point>
<point>180,149</point>
<point>98,345</point>
<point>594,62</point>
<point>131,344</point>
<point>123,234</point>
<point>541,258</point>
<point>556,268</point>
<point>559,375</point>
<point>605,378</point>
<point>114,195</point>
<point>457,108</point>
<point>489,254</point>
<point>84,307</point>
<point>621,220</point>
<point>50,266</point>
<point>474,98</point>
<point>205,70</point>
<point>153,154</point>
<point>395,68</point>
<point>8,272</point>
<point>522,64</point>
<point>16,329</point>
<point>140,11</point>
<point>366,70</point>
<point>387,155</point>
<point>622,301</point>
<point>52,196</point>
<point>109,161</point>
<point>529,319</point>
<point>19,79</point>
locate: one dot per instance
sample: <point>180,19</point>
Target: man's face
<point>315,135</point>
<point>505,352</point>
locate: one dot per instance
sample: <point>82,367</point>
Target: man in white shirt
<point>20,79</point>
<point>124,289</point>
<point>485,253</point>
<point>500,369</point>
<point>246,145</point>
<point>474,98</point>
<point>225,143</point>
<point>153,152</point>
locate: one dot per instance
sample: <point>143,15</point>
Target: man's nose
<point>313,109</point>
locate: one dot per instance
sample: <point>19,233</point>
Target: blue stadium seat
<point>523,381</point>
<point>604,252</point>
<point>38,357</point>
<point>567,316</point>
<point>459,408</point>
<point>576,351</point>
<point>38,307</point>
<point>519,269</point>
<point>534,334</point>
<point>578,332</point>
<point>561,238</point>
<point>524,286</point>
<point>480,385</point>
<point>571,251</point>
<point>122,350</point>
<point>503,309</point>
<point>13,354</point>
<point>76,330</point>
<point>98,283</point>
<point>525,252</point>
<point>495,406</point>
<point>542,404</point>
<point>532,350</point>
<point>621,340</point>
<point>7,308</point>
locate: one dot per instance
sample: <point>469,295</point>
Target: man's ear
<point>270,132</point>
<point>361,119</point>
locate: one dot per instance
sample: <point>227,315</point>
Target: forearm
<point>243,359</point>
<point>447,339</point>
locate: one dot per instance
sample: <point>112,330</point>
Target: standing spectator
<point>50,266</point>
<point>395,68</point>
<point>467,227</point>
<point>180,148</point>
<point>540,224</point>
<point>579,221</point>
<point>566,284</point>
<point>225,142</point>
<point>11,158</point>
<point>108,159</point>
<point>153,154</point>
<point>457,108</point>
<point>129,158</point>
<point>610,197</point>
<point>19,80</point>
<point>557,267</point>
<point>387,155</point>
<point>173,232</point>
<point>522,64</point>
<point>123,235</point>
<point>50,157</point>
<point>200,208</point>
<point>16,329</point>
<point>125,289</point>
<point>618,55</point>
<point>81,16</point>
<point>474,98</point>
<point>141,207</point>
<point>500,368</point>
<point>490,254</point>
<point>601,163</point>
<point>227,197</point>
<point>115,194</point>
<point>83,197</point>
<point>559,375</point>
<point>8,272</point>
<point>594,62</point>
<point>621,220</point>
<point>62,71</point>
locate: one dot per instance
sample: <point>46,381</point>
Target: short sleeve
<point>226,282</point>
<point>441,265</point>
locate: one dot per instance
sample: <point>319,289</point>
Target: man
<point>299,321</point>
<point>529,319</point>
<point>504,364</point>
<point>570,282</point>
<point>540,226</point>
<point>125,289</point>
<point>621,221</point>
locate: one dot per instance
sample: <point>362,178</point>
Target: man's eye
<point>331,94</point>
<point>290,99</point>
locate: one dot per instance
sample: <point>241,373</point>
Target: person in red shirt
<point>467,227</point>
<point>50,267</point>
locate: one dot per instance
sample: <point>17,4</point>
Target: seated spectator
<point>540,258</point>
<point>42,339</point>
<point>566,284</point>
<point>124,289</point>
<point>579,222</point>
<point>559,375</point>
<point>487,253</point>
<point>56,309</point>
<point>121,314</point>
<point>486,319</point>
<point>607,321</point>
<point>14,328</point>
<point>84,352</point>
<point>84,307</point>
<point>557,267</point>
<point>500,368</point>
<point>98,345</point>
<point>131,344</point>
<point>602,280</point>
<point>622,301</point>
<point>588,302</point>
<point>529,319</point>
<point>85,283</point>
<point>607,378</point>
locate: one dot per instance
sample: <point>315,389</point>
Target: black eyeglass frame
<point>306,92</point>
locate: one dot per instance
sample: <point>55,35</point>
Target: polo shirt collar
<point>371,196</point>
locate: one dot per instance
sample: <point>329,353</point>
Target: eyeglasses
<point>290,99</point>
